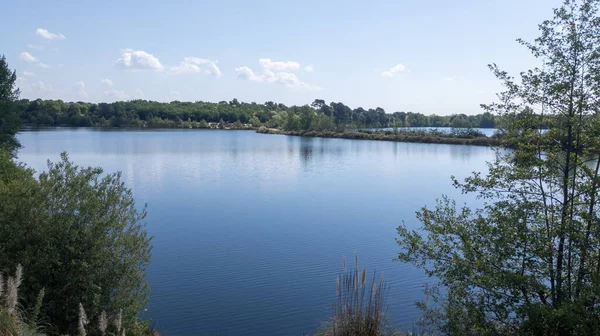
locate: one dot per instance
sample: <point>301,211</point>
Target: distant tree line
<point>176,114</point>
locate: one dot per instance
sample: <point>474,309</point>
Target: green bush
<point>79,235</point>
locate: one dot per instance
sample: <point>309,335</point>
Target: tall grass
<point>12,317</point>
<point>360,305</point>
<point>16,321</point>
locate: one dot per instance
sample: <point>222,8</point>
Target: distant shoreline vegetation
<point>233,114</point>
<point>460,137</point>
<point>333,120</point>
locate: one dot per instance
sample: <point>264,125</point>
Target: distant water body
<point>250,229</point>
<point>486,131</point>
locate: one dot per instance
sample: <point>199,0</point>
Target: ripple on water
<point>250,230</point>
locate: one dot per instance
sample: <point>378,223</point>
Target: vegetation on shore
<point>75,238</point>
<point>360,305</point>
<point>528,261</point>
<point>177,114</point>
<point>466,137</point>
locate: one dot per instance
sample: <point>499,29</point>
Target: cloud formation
<point>45,34</point>
<point>35,46</point>
<point>275,72</point>
<point>28,74</point>
<point>107,82</point>
<point>196,65</point>
<point>391,72</point>
<point>268,64</point>
<point>27,57</point>
<point>308,68</point>
<point>138,60</point>
<point>80,89</point>
<point>246,73</point>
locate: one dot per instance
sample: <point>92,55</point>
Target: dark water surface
<point>250,229</point>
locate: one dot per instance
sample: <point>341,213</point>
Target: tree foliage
<point>142,113</point>
<point>9,117</point>
<point>79,236</point>
<point>528,261</point>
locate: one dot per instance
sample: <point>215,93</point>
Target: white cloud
<point>27,57</point>
<point>275,72</point>
<point>28,74</point>
<point>138,60</point>
<point>212,69</point>
<point>195,64</point>
<point>247,73</point>
<point>309,68</point>
<point>268,64</point>
<point>48,35</point>
<point>107,82</point>
<point>80,89</point>
<point>448,79</point>
<point>116,94</point>
<point>391,72</point>
<point>290,80</point>
<point>139,94</point>
<point>35,46</point>
<point>174,95</point>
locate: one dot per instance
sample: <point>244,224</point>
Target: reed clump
<point>360,305</point>
<point>18,321</point>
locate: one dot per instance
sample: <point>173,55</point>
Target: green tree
<point>307,115</point>
<point>395,125</point>
<point>528,261</point>
<point>78,234</point>
<point>255,122</point>
<point>325,123</point>
<point>10,121</point>
<point>292,121</point>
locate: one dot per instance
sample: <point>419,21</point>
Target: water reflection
<point>258,224</point>
<point>306,150</point>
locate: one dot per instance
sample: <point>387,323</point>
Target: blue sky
<point>421,56</point>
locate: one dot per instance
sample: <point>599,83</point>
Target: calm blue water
<point>250,229</point>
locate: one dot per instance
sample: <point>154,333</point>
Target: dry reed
<point>103,323</point>
<point>359,308</point>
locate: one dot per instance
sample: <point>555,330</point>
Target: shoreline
<point>402,136</point>
<point>389,136</point>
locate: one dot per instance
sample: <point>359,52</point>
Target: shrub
<point>79,235</point>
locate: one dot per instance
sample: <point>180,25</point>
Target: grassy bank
<point>464,138</point>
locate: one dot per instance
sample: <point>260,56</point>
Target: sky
<point>425,56</point>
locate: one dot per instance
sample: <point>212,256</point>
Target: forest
<point>177,114</point>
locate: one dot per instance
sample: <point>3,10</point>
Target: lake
<point>486,131</point>
<point>250,230</point>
